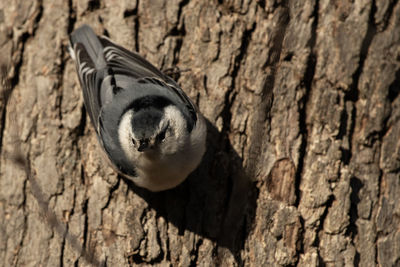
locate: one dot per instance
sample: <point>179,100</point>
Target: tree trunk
<point>303,149</point>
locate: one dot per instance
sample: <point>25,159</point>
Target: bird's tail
<point>85,47</point>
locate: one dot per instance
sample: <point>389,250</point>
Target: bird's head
<point>152,131</point>
<point>148,129</point>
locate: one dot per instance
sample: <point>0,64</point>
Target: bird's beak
<point>143,145</point>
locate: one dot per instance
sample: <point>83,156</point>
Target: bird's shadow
<point>216,201</point>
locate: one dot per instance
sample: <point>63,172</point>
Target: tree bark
<point>303,150</point>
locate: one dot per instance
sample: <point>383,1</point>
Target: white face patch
<point>125,133</point>
<point>177,121</point>
<point>176,135</point>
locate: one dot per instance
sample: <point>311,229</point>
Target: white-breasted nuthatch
<point>150,130</point>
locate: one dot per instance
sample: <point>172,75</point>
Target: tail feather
<point>90,47</point>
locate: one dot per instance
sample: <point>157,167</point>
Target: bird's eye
<point>161,136</point>
<point>133,142</point>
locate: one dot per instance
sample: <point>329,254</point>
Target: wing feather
<point>123,61</point>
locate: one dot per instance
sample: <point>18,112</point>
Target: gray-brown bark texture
<point>303,150</point>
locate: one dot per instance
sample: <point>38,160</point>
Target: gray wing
<point>95,75</point>
<point>104,69</point>
<point>130,64</point>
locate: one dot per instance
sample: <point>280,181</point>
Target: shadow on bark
<point>215,199</point>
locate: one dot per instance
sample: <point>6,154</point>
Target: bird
<point>150,130</point>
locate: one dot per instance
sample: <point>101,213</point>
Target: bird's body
<point>149,129</point>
